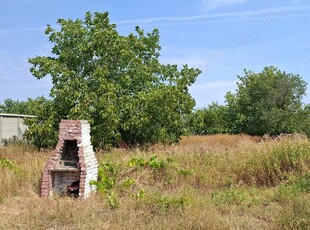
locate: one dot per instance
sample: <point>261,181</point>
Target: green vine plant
<point>6,163</point>
<point>109,178</point>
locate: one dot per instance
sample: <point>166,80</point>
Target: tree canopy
<point>115,82</point>
<point>269,102</point>
<point>266,103</point>
<point>14,106</point>
<point>210,120</point>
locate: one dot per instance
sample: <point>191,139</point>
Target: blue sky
<point>221,37</point>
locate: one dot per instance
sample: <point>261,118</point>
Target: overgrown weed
<point>234,183</point>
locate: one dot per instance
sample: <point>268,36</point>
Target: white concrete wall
<point>11,126</point>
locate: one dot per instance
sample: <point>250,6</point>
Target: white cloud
<point>285,11</point>
<point>213,4</point>
<point>185,18</point>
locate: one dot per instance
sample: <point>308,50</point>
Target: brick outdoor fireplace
<point>72,164</point>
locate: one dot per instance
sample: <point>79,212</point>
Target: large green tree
<point>269,102</point>
<point>210,120</point>
<point>115,82</point>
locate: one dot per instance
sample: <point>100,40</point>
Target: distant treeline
<point>269,103</point>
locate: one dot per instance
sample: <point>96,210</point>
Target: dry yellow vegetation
<point>206,182</point>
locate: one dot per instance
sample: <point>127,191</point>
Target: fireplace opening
<point>73,189</point>
<point>69,155</point>
<point>66,183</point>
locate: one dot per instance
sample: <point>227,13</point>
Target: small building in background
<point>12,126</point>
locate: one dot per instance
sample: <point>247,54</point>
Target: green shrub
<point>107,176</point>
<point>136,162</point>
<point>5,163</point>
<point>128,183</point>
<point>112,200</point>
<point>153,162</point>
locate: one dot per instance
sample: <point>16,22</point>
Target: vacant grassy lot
<point>213,182</point>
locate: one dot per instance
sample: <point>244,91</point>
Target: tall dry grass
<point>226,140</point>
<point>26,172</point>
<point>211,182</point>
